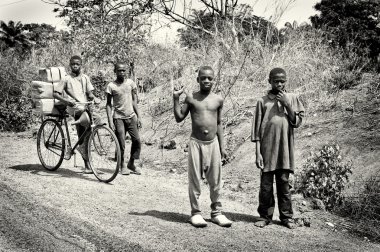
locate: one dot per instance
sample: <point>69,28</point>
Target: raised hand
<point>177,91</point>
<point>283,98</point>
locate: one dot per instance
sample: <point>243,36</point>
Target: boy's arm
<point>109,111</point>
<point>57,94</point>
<point>220,133</point>
<point>255,133</point>
<point>180,113</point>
<point>90,96</point>
<point>283,98</point>
<point>134,104</point>
<point>259,157</point>
<point>89,88</point>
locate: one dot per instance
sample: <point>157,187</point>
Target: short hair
<point>118,64</point>
<point>204,68</point>
<point>76,57</point>
<point>276,71</point>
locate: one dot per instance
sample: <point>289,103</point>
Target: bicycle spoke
<point>102,150</point>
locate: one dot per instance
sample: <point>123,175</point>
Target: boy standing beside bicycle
<point>122,97</point>
<point>78,87</point>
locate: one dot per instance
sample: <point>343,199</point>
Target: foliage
<point>15,107</point>
<point>362,205</point>
<point>15,114</point>
<point>342,78</point>
<point>40,34</point>
<point>352,25</point>
<point>13,36</point>
<point>325,176</point>
<point>108,30</point>
<point>246,24</point>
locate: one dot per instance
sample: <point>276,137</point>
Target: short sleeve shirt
<point>122,98</point>
<point>78,86</point>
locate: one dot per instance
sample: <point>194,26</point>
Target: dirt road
<point>68,211</point>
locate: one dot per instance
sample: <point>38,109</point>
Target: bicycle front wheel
<point>50,144</point>
<point>102,147</point>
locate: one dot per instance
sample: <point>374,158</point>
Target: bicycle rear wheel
<point>50,144</point>
<point>102,147</point>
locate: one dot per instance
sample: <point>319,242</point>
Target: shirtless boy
<point>206,145</point>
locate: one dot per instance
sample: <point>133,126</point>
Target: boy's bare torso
<point>204,110</point>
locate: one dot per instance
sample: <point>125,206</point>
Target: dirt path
<point>68,211</point>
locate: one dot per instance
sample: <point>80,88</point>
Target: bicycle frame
<point>63,121</point>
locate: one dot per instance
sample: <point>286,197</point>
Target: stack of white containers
<point>42,91</point>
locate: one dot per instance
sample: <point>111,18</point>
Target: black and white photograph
<point>189,125</point>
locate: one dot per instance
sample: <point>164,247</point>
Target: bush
<point>344,79</point>
<point>15,114</point>
<point>363,206</point>
<point>325,176</point>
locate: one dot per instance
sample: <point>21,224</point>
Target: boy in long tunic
<point>277,114</point>
<point>206,146</point>
<point>122,96</point>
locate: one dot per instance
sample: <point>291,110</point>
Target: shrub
<point>363,206</point>
<point>15,114</point>
<point>325,176</point>
<point>344,79</point>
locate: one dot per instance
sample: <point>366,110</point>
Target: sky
<point>36,11</point>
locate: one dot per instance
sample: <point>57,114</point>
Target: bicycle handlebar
<point>84,103</point>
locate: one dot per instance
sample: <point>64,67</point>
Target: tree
<point>40,34</point>
<point>247,25</point>
<point>221,12</point>
<point>13,35</point>
<point>108,30</point>
<point>351,24</point>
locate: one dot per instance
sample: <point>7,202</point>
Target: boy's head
<point>75,64</point>
<point>205,78</point>
<point>277,79</point>
<point>120,70</point>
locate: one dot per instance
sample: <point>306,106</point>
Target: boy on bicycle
<point>122,97</point>
<point>78,87</point>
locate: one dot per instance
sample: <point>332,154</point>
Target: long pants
<point>266,196</point>
<point>122,126</point>
<point>205,162</point>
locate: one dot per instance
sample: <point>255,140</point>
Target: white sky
<point>36,11</point>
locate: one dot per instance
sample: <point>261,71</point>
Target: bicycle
<point>103,147</point>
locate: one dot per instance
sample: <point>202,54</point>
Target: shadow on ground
<point>181,218</point>
<point>166,216</point>
<point>62,172</point>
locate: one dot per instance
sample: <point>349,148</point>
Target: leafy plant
<point>325,176</point>
<point>348,22</point>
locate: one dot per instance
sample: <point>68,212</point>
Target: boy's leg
<point>266,197</point>
<point>120,134</point>
<point>194,176</point>
<point>214,177</point>
<point>83,144</point>
<point>284,197</point>
<point>133,131</point>
<point>213,174</point>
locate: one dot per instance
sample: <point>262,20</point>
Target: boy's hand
<point>224,156</point>
<point>283,98</point>
<point>139,123</point>
<point>177,91</point>
<point>71,104</point>
<point>259,161</point>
